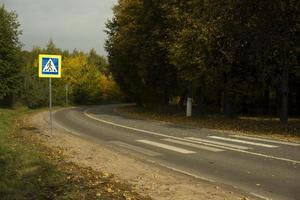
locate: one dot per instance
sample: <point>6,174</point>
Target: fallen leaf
<point>110,190</point>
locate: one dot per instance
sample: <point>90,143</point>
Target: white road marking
<point>126,127</point>
<point>193,145</point>
<point>165,146</point>
<point>177,138</point>
<point>251,153</point>
<point>184,172</point>
<point>260,196</point>
<point>218,143</point>
<point>266,140</point>
<point>172,168</point>
<point>243,141</point>
<point>135,148</point>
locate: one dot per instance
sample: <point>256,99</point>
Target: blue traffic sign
<point>49,66</point>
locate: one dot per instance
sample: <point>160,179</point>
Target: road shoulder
<point>148,179</point>
<point>262,127</point>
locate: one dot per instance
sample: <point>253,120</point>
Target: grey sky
<point>70,23</point>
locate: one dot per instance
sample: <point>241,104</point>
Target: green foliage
<point>138,51</point>
<point>98,61</point>
<point>35,90</point>
<point>9,56</point>
<point>86,76</point>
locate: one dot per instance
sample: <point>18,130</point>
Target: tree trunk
<point>200,100</point>
<point>166,97</point>
<point>222,104</point>
<point>297,100</point>
<point>183,98</point>
<point>284,95</point>
<point>138,100</point>
<point>228,107</point>
<point>266,102</point>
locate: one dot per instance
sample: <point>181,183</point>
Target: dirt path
<point>146,178</point>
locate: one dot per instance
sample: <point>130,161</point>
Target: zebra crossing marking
<point>188,140</point>
<point>243,142</point>
<point>165,146</point>
<point>265,140</point>
<point>193,145</point>
<point>219,144</point>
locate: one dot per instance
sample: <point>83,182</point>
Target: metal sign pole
<point>50,104</point>
<point>50,67</point>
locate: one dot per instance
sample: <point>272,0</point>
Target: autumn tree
<point>87,84</point>
<point>279,26</point>
<point>138,51</point>
<point>123,47</point>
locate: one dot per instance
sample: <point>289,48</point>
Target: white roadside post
<point>67,94</point>
<point>189,102</point>
<point>189,107</point>
<point>50,67</point>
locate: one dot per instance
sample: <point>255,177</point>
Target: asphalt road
<point>265,168</point>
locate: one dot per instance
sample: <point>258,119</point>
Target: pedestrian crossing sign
<point>49,66</point>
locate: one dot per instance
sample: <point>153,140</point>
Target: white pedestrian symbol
<point>50,67</point>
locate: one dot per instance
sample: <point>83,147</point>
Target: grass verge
<point>261,126</point>
<point>30,170</point>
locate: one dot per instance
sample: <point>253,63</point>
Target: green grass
<point>30,170</point>
<point>24,174</point>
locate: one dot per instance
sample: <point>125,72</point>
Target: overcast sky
<point>70,23</point>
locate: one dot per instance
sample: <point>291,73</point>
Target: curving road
<point>265,168</point>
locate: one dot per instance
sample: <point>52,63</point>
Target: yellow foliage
<point>87,81</point>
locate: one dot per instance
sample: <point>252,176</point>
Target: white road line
<point>248,152</point>
<point>135,148</point>
<point>193,145</point>
<point>175,169</point>
<point>122,126</point>
<point>260,196</point>
<point>218,143</point>
<point>165,146</point>
<point>243,141</point>
<point>177,138</point>
<point>265,140</point>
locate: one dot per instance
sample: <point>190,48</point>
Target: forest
<point>190,99</point>
<point>86,77</point>
<point>232,57</point>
